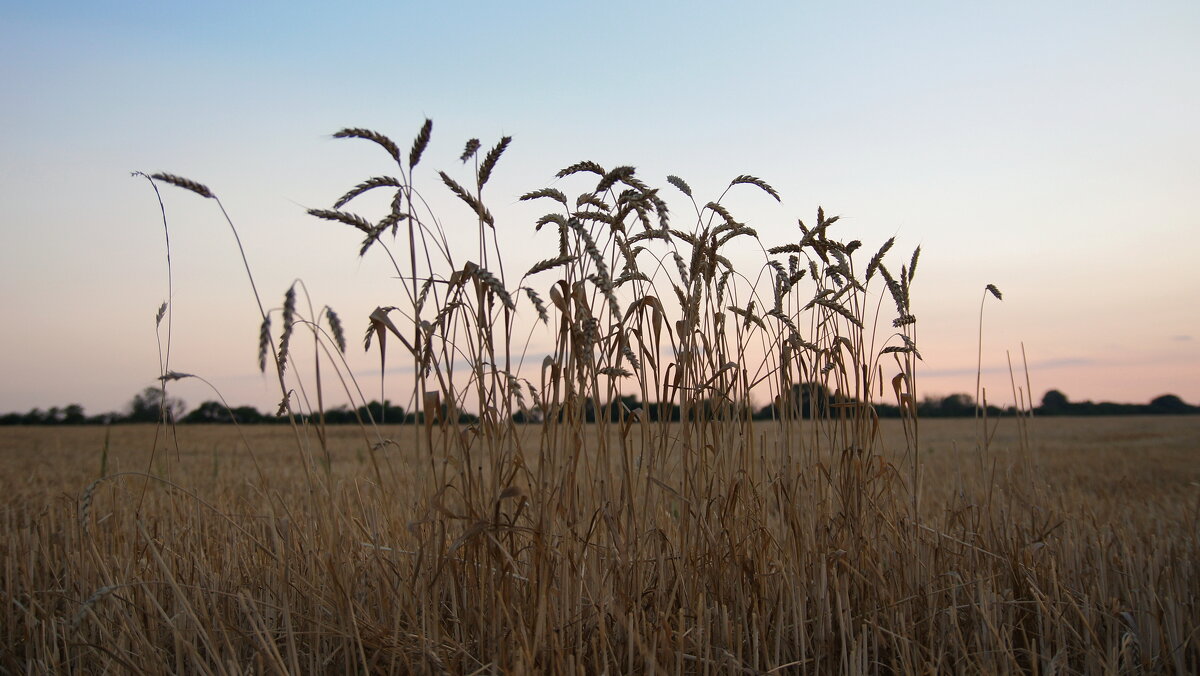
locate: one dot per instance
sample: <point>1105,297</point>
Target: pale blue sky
<point>1049,148</point>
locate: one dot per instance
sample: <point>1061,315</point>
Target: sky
<point>1050,149</point>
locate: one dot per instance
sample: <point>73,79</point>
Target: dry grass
<point>711,545</point>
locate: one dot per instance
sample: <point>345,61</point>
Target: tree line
<point>150,406</point>
<point>807,400</point>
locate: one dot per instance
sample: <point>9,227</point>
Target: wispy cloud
<point>1047,364</point>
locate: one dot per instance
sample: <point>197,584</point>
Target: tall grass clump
<point>587,484</point>
<point>611,537</point>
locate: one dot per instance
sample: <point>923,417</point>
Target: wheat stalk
<point>187,184</point>
<point>753,180</point>
<point>375,137</point>
<point>489,161</point>
<point>419,144</point>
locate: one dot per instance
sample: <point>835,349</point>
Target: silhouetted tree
<point>249,414</point>
<point>73,415</point>
<point>622,407</point>
<point>150,405</point>
<point>950,406</point>
<point>382,413</point>
<point>533,416</point>
<point>208,412</point>
<point>808,400</point>
<point>1054,403</point>
<point>215,412</point>
<point>1169,403</point>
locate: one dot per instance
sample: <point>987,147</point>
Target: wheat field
<point>1088,564</point>
<point>650,522</point>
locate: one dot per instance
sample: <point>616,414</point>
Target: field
<point>654,521</point>
<point>1078,555</point>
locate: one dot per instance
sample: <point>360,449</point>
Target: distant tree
<point>1169,403</point>
<point>950,406</point>
<point>215,412</point>
<point>958,405</point>
<point>664,411</point>
<point>339,415</point>
<point>622,406</point>
<point>208,412</point>
<point>383,413</point>
<point>887,410</point>
<point>248,415</point>
<point>807,400</point>
<point>529,415</point>
<point>1054,402</point>
<point>73,415</point>
<point>150,405</point>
